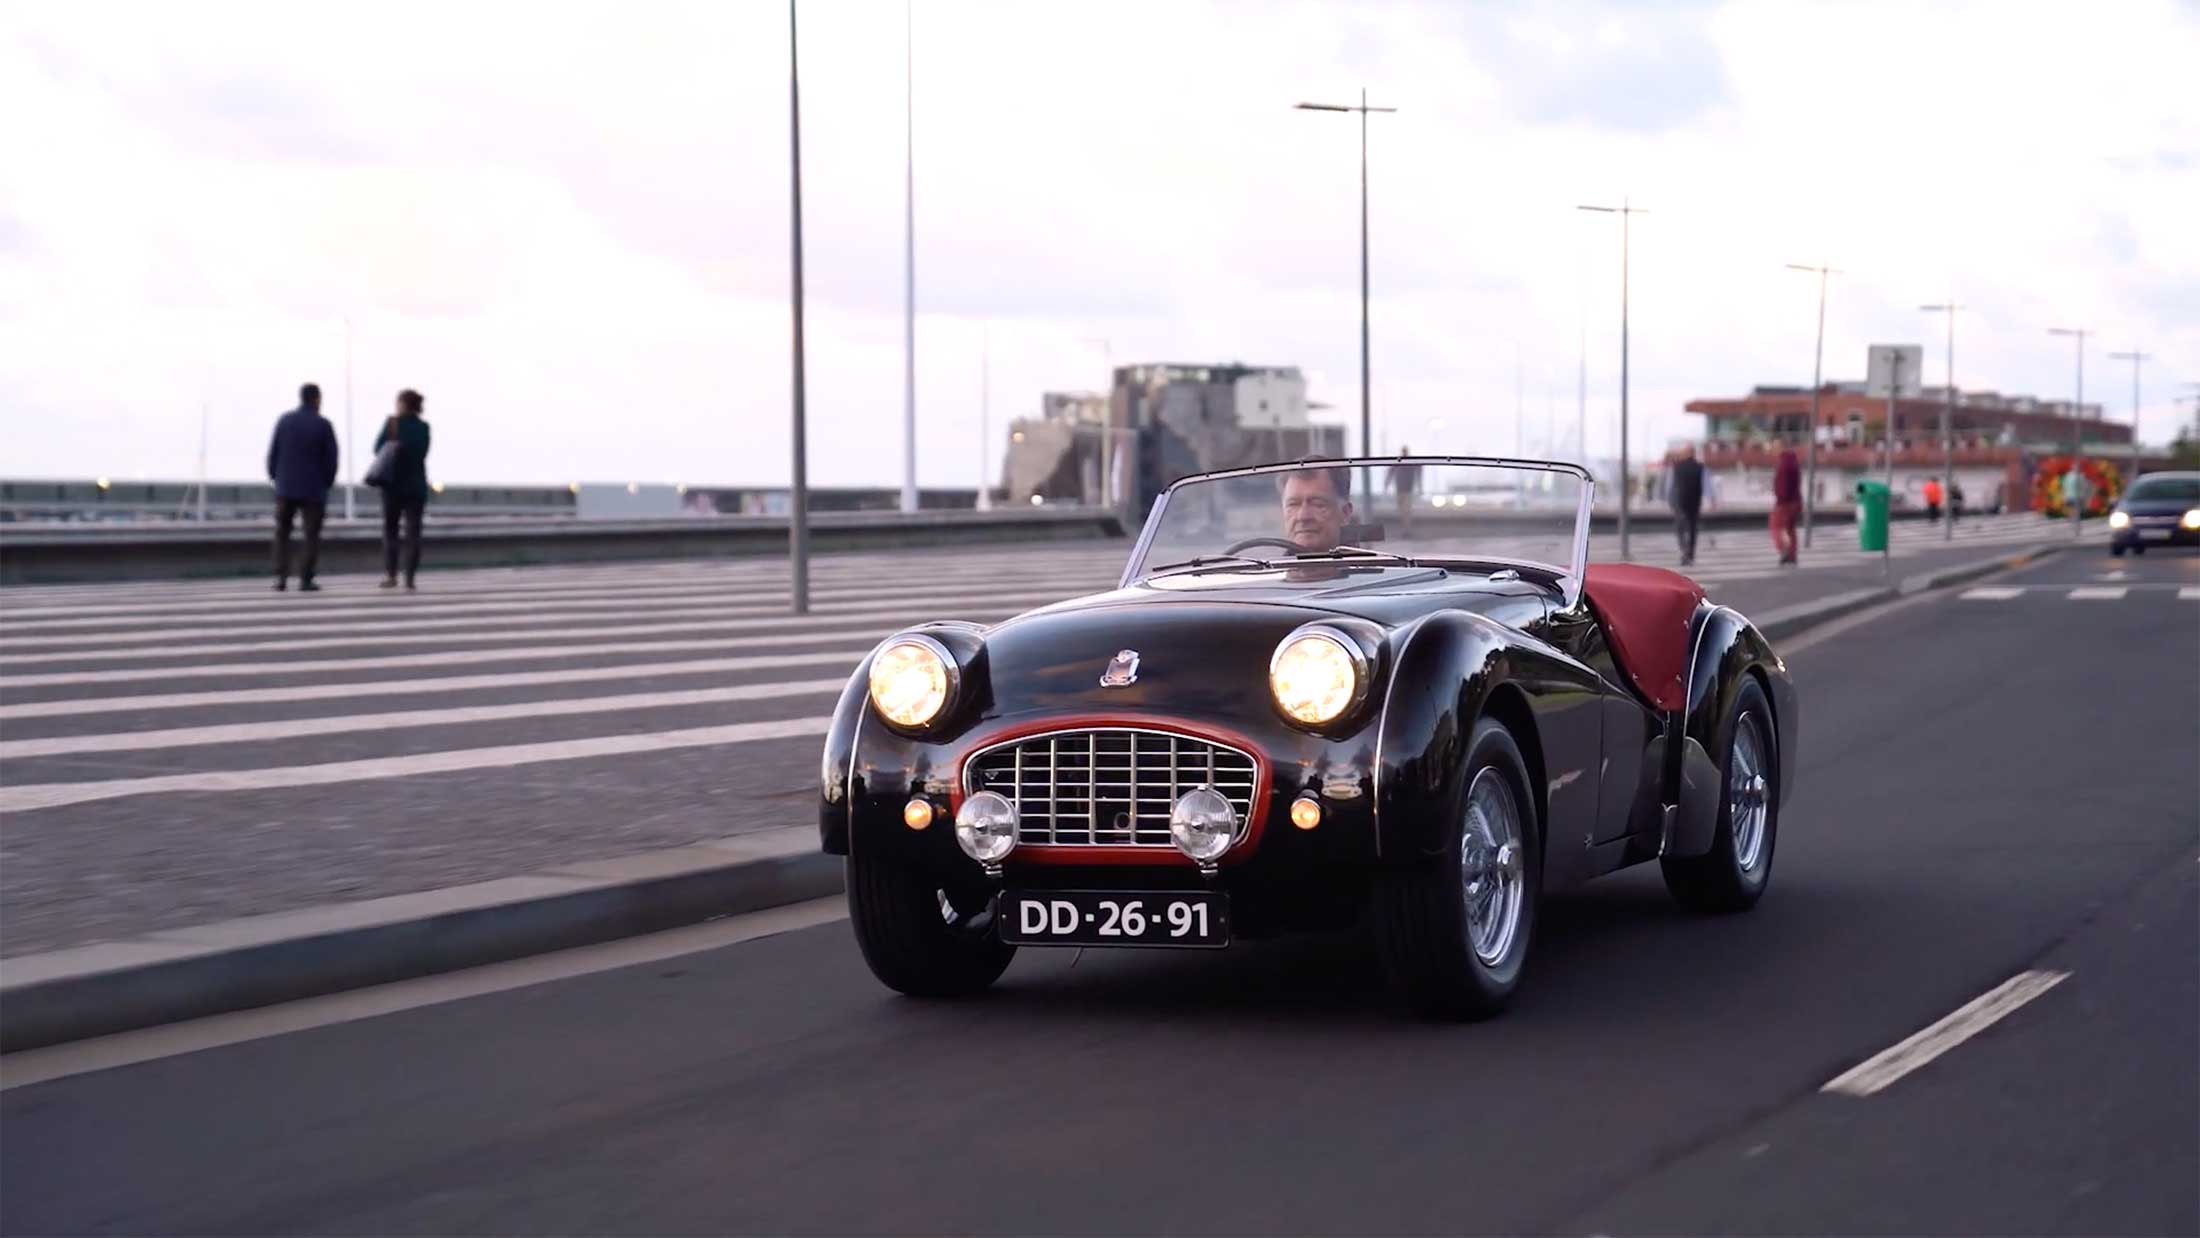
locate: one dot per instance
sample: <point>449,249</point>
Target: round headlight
<point>2192,519</point>
<point>2119,520</point>
<point>911,680</point>
<point>985,827</point>
<point>1202,824</point>
<point>1316,676</point>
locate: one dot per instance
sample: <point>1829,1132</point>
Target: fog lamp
<point>985,827</point>
<point>917,813</point>
<point>1305,812</point>
<point>1202,824</point>
<point>2119,520</point>
<point>2192,519</point>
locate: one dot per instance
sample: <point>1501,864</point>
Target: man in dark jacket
<point>405,488</point>
<point>301,461</point>
<point>1687,498</point>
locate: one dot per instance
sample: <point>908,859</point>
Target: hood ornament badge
<point>1122,670</point>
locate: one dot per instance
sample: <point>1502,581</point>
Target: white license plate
<point>1114,918</point>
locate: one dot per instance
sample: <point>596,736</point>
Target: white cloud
<point>568,225</point>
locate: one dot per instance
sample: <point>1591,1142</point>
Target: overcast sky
<point>567,224</point>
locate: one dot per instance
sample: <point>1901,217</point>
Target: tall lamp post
<point>2077,430</point>
<point>1366,437</point>
<point>1817,384</point>
<point>1108,497</point>
<point>985,417</point>
<point>1624,211</point>
<point>1947,419</point>
<point>351,486</point>
<point>909,262</point>
<point>2137,359</point>
<point>798,495</point>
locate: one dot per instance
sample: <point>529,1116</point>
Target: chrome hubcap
<point>1492,867</point>
<point>1747,803</point>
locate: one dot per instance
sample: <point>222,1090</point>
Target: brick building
<point>1998,440</point>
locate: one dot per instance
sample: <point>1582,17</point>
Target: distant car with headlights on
<point>2160,509</point>
<point>1288,717</point>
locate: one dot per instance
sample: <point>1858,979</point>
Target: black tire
<point>2138,548</point>
<point>908,938</point>
<point>1421,915</point>
<point>1720,880</point>
<point>2115,550</point>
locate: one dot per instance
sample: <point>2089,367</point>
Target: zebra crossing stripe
<point>2098,593</point>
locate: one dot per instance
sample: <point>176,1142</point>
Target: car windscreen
<point>1427,509</point>
<point>2165,490</point>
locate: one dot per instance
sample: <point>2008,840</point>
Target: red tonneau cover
<point>1645,612</point>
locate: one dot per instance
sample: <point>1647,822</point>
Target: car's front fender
<point>1728,651</point>
<point>1451,669</point>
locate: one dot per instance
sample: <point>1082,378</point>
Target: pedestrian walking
<point>402,474</point>
<point>1406,480</point>
<point>1787,504</point>
<point>1955,499</point>
<point>1933,497</point>
<point>1687,500</point>
<point>301,461</point>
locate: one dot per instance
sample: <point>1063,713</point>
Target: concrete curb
<point>1788,621</point>
<point>191,973</point>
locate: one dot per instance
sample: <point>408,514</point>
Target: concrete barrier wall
<point>45,555</point>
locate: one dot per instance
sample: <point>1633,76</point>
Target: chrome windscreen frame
<point>1585,508</point>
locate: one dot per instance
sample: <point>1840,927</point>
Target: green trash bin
<point>1871,514</point>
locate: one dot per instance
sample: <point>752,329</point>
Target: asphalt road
<point>108,694</point>
<point>1990,785</point>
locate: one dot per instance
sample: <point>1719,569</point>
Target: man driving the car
<point>1317,505</point>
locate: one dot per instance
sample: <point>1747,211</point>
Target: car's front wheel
<point>1454,933</point>
<point>1732,875</point>
<point>919,937</point>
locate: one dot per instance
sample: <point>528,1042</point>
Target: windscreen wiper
<point>1354,552</point>
<point>1212,561</point>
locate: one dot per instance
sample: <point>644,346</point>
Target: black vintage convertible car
<point>1323,690</point>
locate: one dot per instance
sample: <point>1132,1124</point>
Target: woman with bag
<point>400,470</point>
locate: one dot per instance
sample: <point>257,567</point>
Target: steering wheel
<point>1279,543</point>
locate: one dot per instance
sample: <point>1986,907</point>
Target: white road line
<point>229,697</point>
<point>2098,593</point>
<point>61,794</point>
<point>814,634</point>
<point>2189,593</point>
<point>316,614</point>
<point>1881,1070</point>
<point>1999,593</point>
<point>491,630</point>
<point>292,728</point>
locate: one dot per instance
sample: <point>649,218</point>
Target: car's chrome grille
<point>1108,786</point>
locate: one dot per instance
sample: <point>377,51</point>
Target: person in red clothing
<point>1787,503</point>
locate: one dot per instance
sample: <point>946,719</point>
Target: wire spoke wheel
<point>1491,868</point>
<point>1746,792</point>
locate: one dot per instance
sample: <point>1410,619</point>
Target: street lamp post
<point>1817,383</point>
<point>1624,210</point>
<point>909,262</point>
<point>2077,432</point>
<point>985,417</point>
<point>1366,439</point>
<point>351,487</point>
<point>798,496</point>
<point>2137,359</point>
<point>1108,496</point>
<point>1947,420</point>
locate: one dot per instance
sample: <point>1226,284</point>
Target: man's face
<point>1314,514</point>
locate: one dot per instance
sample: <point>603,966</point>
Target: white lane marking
<point>1881,1070</point>
<point>290,614</point>
<point>249,732</point>
<point>814,634</point>
<point>2098,593</point>
<point>36,796</point>
<point>438,684</point>
<point>706,619</point>
<point>2001,593</point>
<point>30,1066</point>
<point>2189,593</point>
